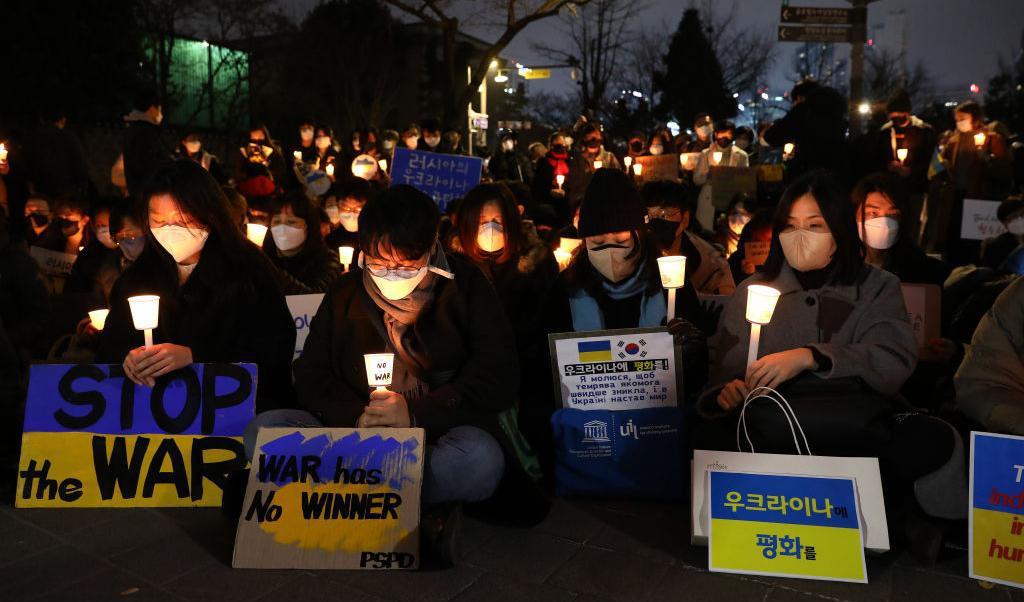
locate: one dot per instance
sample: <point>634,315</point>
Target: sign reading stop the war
<point>93,438</point>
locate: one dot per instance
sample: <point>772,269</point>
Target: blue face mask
<point>132,247</point>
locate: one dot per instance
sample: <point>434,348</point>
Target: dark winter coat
<point>144,151</point>
<point>311,270</point>
<point>817,128</point>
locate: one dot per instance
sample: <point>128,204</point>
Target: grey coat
<point>862,328</point>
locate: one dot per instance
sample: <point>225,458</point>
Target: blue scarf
<point>587,316</point>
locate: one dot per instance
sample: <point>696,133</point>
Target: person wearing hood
<point>721,153</point>
<point>219,301</point>
<point>508,163</point>
<point>455,371</point>
<point>669,224</point>
<point>191,147</point>
<point>591,157</point>
<point>143,146</point>
<point>296,248</point>
<point>344,203</point>
<point>545,188</point>
<point>99,251</point>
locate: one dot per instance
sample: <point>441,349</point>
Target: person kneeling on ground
<point>455,367</point>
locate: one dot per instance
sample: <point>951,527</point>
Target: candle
<point>673,275</point>
<point>145,314</point>
<point>638,169</point>
<point>297,155</point>
<point>563,258</point>
<point>788,148</point>
<point>979,139</point>
<point>628,161</point>
<point>378,369</point>
<point>560,179</point>
<point>598,165</point>
<point>716,157</point>
<point>761,301</point>
<point>569,244</point>
<point>3,152</point>
<point>330,170</point>
<point>383,165</point>
<point>256,233</point>
<point>901,154</point>
<point>345,255</point>
<point>98,318</point>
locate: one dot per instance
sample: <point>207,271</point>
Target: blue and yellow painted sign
<point>997,508</point>
<point>93,438</point>
<point>785,526</point>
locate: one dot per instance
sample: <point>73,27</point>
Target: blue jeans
<point>465,465</point>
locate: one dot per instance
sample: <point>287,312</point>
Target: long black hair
<point>888,186</point>
<point>848,261</point>
<point>303,209</point>
<point>467,221</point>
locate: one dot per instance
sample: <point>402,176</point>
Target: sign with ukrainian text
<point>332,498</point>
<point>785,526</point>
<point>996,518</point>
<point>628,369</point>
<point>443,177</point>
<point>93,438</point>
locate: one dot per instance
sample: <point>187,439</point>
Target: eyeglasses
<point>669,214</point>
<point>402,271</point>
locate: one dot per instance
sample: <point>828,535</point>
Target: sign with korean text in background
<point>980,220</point>
<point>628,369</point>
<point>332,498</point>
<point>996,519</point>
<point>93,438</point>
<point>727,182</point>
<point>443,177</point>
<point>303,308</point>
<point>53,263</point>
<point>785,526</point>
<point>658,167</point>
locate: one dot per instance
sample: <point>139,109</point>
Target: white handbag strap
<point>787,411</point>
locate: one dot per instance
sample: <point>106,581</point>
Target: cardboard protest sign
<point>332,498</point>
<point>53,263</point>
<point>689,161</point>
<point>93,438</point>
<point>627,369</point>
<point>303,308</point>
<point>924,310</point>
<point>996,518</point>
<point>769,173</point>
<point>863,470</point>
<point>980,220</point>
<point>658,167</point>
<point>785,526</point>
<point>444,177</point>
<point>756,252</point>
<point>727,182</point>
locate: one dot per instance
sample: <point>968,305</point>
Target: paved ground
<point>583,551</point>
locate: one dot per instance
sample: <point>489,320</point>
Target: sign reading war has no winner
<point>93,438</point>
<point>628,369</point>
<point>332,498</point>
<point>444,177</point>
<point>997,508</point>
<point>785,526</point>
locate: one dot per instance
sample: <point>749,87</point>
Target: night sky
<point>959,40</point>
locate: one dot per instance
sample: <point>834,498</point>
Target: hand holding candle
<point>901,154</point>
<point>979,139</point>
<point>345,255</point>
<point>716,157</point>
<point>145,314</point>
<point>787,150</point>
<point>560,179</point>
<point>673,276</point>
<point>761,301</point>
<point>98,318</point>
<point>383,165</point>
<point>627,161</point>
<point>638,169</point>
<point>330,170</point>
<point>598,164</point>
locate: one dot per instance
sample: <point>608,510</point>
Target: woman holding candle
<point>723,153</point>
<point>296,249</point>
<point>547,187</point>
<point>343,203</point>
<point>218,298</point>
<point>455,371</point>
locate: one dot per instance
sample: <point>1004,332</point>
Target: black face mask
<point>664,231</point>
<point>636,147</point>
<point>901,123</point>
<point>558,149</point>
<point>39,219</point>
<point>592,144</point>
<point>66,226</point>
<point>723,142</point>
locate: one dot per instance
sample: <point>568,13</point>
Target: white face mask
<point>611,262</point>
<point>333,214</point>
<point>306,134</point>
<point>432,141</point>
<point>806,250</point>
<point>323,142</point>
<point>491,237</point>
<point>179,241</point>
<point>508,145</point>
<point>880,232</point>
<point>1016,226</point>
<point>736,222</point>
<point>388,144</point>
<point>395,287</point>
<point>704,131</point>
<point>349,221</point>
<point>287,238</point>
<point>964,125</point>
<point>193,147</point>
<point>103,235</point>
<point>657,149</point>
